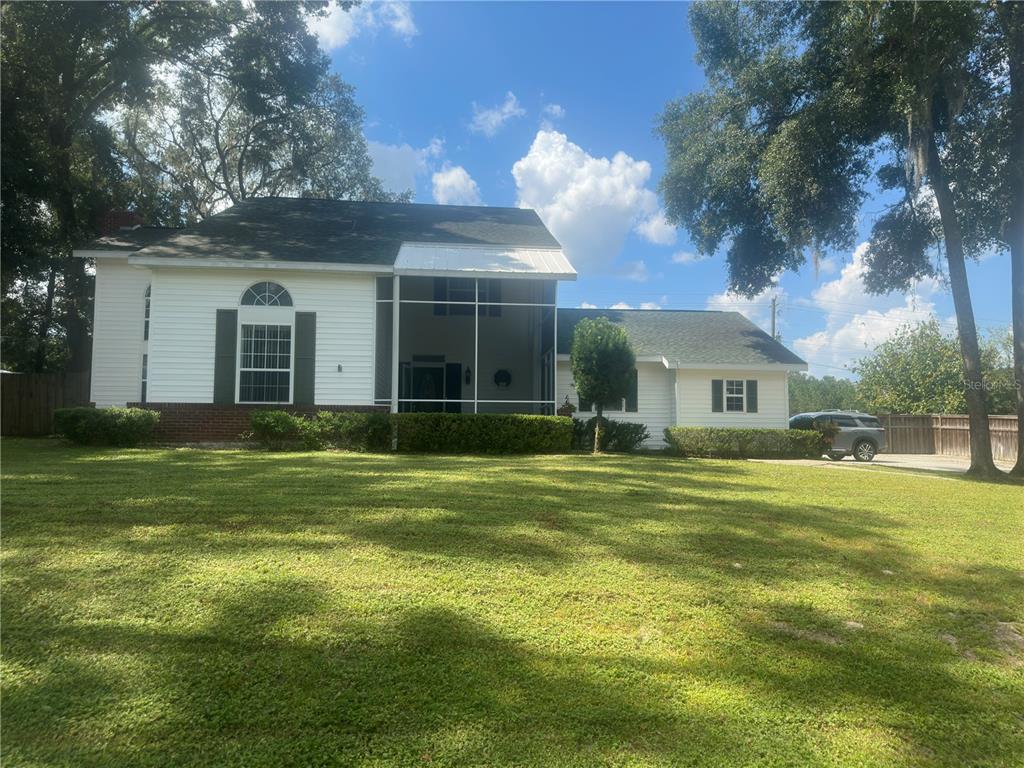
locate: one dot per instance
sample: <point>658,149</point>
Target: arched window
<point>266,295</point>
<point>145,326</point>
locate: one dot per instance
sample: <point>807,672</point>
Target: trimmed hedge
<point>616,436</point>
<point>482,433</point>
<point>347,430</point>
<point>119,427</point>
<point>730,443</point>
<point>416,432</point>
<point>277,430</point>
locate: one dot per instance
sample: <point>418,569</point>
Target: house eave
<point>272,264</point>
<point>768,367</point>
<point>676,365</point>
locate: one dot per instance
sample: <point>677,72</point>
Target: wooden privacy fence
<point>29,400</point>
<point>947,435</point>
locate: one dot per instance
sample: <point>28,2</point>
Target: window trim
<point>248,319</point>
<point>726,395</point>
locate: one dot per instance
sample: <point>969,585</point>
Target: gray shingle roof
<point>131,238</point>
<point>688,337</point>
<point>303,229</point>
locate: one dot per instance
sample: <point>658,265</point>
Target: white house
<point>311,304</point>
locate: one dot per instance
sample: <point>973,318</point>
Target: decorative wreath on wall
<point>502,378</point>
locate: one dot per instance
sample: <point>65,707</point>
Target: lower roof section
<point>688,338</point>
<point>428,259</point>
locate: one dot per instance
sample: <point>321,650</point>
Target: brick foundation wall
<point>214,423</point>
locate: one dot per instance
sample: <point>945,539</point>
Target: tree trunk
<point>1012,18</point>
<point>597,429</point>
<point>76,281</point>
<point>46,321</point>
<point>981,445</point>
<point>1017,293</point>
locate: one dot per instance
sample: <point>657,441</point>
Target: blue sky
<point>554,106</point>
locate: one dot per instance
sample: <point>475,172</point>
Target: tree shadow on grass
<point>281,675</point>
<point>273,669</point>
<point>424,685</point>
<point>919,693</point>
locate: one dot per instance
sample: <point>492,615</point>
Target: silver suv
<point>860,435</point>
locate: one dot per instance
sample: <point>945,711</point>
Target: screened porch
<point>466,344</point>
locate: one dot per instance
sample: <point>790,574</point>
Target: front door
<point>436,381</point>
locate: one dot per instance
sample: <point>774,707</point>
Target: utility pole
<point>774,299</point>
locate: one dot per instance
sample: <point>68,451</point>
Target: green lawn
<point>182,607</point>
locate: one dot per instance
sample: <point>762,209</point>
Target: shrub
<point>482,433</point>
<point>730,443</point>
<point>348,430</point>
<point>120,427</point>
<point>616,436</point>
<point>277,430</point>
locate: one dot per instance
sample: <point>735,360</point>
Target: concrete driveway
<point>913,461</point>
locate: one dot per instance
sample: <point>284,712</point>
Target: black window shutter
<point>305,357</point>
<point>632,397</point>
<point>716,395</point>
<point>224,356</point>
<point>751,395</point>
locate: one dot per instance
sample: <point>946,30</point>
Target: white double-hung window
<point>734,395</point>
<point>266,354</point>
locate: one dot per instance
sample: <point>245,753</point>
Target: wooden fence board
<point>947,435</point>
<point>28,400</point>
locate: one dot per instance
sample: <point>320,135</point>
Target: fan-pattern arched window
<point>266,295</point>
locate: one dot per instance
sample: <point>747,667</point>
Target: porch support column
<point>476,344</point>
<point>395,315</point>
<point>554,358</point>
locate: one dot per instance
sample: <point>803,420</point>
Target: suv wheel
<point>864,450</point>
<point>835,456</point>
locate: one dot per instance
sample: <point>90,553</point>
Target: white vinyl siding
<point>183,330</point>
<point>693,399</point>
<point>118,323</point>
<point>655,399</point>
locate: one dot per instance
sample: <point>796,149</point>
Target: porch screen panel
<point>436,354</point>
<point>512,349</point>
<point>382,352</point>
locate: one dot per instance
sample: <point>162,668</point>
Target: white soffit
<point>468,260</point>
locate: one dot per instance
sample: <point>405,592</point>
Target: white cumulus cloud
<point>856,322</point>
<point>589,203</point>
<point>550,114</point>
<point>554,111</point>
<point>489,120</point>
<point>454,186</point>
<point>636,271</point>
<point>657,230</point>
<point>757,309</point>
<point>337,27</point>
<point>687,257</point>
<point>399,165</point>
